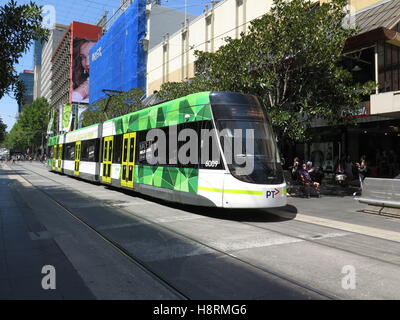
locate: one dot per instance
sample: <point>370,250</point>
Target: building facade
<point>119,58</point>
<point>55,36</point>
<point>70,64</point>
<point>37,65</point>
<point>27,77</point>
<point>173,59</point>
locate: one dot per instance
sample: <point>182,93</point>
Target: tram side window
<point>95,153</point>
<point>90,150</point>
<point>62,155</point>
<point>192,153</point>
<point>210,157</point>
<point>146,149</point>
<point>142,146</point>
<point>51,152</point>
<point>117,154</point>
<point>69,151</point>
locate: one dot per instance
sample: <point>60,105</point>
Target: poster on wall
<point>80,70</point>
<point>79,110</point>
<point>67,118</point>
<point>50,126</point>
<point>83,38</point>
<point>321,155</point>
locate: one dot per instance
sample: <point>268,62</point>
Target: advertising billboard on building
<point>118,59</point>
<point>83,37</point>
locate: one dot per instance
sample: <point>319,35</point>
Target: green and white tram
<point>147,151</point>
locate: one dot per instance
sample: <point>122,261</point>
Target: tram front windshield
<point>249,144</point>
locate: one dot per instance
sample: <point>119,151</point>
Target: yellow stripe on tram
<point>258,193</point>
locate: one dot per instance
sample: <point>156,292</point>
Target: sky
<point>88,11</point>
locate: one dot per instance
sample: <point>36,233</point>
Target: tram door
<point>55,157</point>
<point>107,159</point>
<point>77,157</point>
<point>128,160</point>
<point>59,159</point>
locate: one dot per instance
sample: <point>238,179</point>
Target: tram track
<point>283,277</point>
<point>254,225</point>
<point>315,292</point>
<point>204,244</point>
<point>142,266</point>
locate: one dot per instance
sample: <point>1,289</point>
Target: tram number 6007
<point>211,164</point>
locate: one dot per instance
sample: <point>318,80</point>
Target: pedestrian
<point>348,168</point>
<point>295,168</point>
<point>308,183</point>
<point>362,169</point>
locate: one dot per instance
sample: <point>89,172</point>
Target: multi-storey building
<point>173,58</point>
<point>37,65</point>
<point>118,60</point>
<point>27,77</point>
<point>67,61</point>
<point>55,36</point>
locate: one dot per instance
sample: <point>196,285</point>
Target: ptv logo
<point>272,193</point>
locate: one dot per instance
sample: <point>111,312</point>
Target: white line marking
<point>369,231</point>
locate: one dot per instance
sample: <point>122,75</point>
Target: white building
<point>49,47</point>
<point>173,59</point>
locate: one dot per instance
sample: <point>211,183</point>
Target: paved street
<point>111,244</point>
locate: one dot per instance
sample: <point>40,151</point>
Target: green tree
<point>119,105</point>
<point>3,132</point>
<point>30,129</point>
<point>291,59</point>
<point>19,25</point>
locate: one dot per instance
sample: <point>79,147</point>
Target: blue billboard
<point>118,59</point>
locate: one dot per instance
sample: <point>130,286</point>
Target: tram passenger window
<point>84,151</point>
<point>148,149</point>
<point>125,150</point>
<point>192,152</point>
<point>70,151</point>
<point>110,146</point>
<point>132,149</point>
<point>117,154</point>
<point>209,153</point>
<point>142,152</point>
<point>91,150</point>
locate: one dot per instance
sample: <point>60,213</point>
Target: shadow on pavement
<point>288,212</point>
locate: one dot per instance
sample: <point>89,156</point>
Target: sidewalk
<point>25,248</point>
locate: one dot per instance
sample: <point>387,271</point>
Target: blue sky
<point>87,11</point>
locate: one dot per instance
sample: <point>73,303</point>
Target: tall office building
<point>37,65</point>
<point>27,77</point>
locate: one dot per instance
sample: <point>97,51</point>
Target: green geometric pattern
<point>53,140</point>
<point>197,106</point>
<point>179,179</point>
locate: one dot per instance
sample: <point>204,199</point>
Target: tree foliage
<point>31,126</point>
<point>291,59</point>
<point>19,25</point>
<point>3,132</point>
<point>119,105</point>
